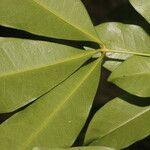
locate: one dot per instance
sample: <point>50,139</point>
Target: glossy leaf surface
<point>29,69</point>
<point>143,7</point>
<point>56,117</point>
<point>119,123</point>
<point>122,37</point>
<point>53,18</point>
<point>133,76</point>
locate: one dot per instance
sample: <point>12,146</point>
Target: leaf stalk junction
<point>123,51</point>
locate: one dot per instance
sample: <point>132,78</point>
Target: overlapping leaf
<point>127,38</point>
<point>133,76</point>
<point>53,18</point>
<point>56,118</point>
<point>119,123</point>
<point>29,69</point>
<point>143,7</point>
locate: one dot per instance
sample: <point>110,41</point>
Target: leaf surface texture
<point>52,18</point>
<point>29,69</point>
<point>122,37</point>
<point>143,7</point>
<point>119,124</point>
<point>133,76</point>
<point>56,117</point>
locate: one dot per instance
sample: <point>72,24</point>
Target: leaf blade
<point>31,68</point>
<point>49,18</point>
<point>58,113</point>
<point>122,37</point>
<point>126,123</point>
<point>142,7</point>
<point>133,76</point>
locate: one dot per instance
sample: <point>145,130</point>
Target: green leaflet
<point>53,18</point>
<point>56,117</point>
<point>77,148</point>
<point>29,69</point>
<point>133,76</point>
<point>119,123</point>
<point>122,37</point>
<point>143,7</point>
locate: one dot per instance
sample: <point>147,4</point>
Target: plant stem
<point>105,50</point>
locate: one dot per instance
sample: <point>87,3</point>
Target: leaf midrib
<point>55,14</point>
<point>46,66</point>
<point>121,125</point>
<point>45,123</point>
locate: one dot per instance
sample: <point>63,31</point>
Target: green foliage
<point>52,18</point>
<point>119,123</point>
<point>58,122</point>
<point>142,7</point>
<point>58,82</point>
<point>30,69</point>
<point>124,38</point>
<point>133,78</point>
